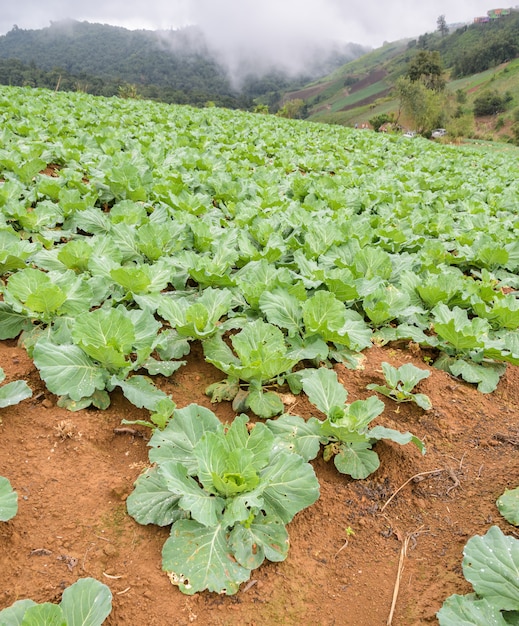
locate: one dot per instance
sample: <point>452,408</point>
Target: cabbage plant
<point>400,382</point>
<point>87,602</point>
<point>260,355</point>
<point>8,500</point>
<point>345,432</point>
<point>228,493</point>
<point>102,350</point>
<point>491,565</point>
<point>13,392</point>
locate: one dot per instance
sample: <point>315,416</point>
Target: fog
<point>259,34</point>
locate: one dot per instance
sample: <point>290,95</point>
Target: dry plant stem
<point>403,553</point>
<point>436,471</point>
<point>454,479</point>
<point>250,584</point>
<point>341,548</point>
<point>124,430</point>
<point>120,593</point>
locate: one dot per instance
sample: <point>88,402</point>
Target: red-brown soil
<point>306,94</point>
<point>370,79</point>
<point>368,100</point>
<point>73,473</point>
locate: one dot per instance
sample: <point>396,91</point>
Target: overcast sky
<point>250,26</point>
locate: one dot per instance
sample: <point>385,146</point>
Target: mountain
<point>353,85</point>
<point>172,65</point>
<point>178,60</point>
<point>477,58</point>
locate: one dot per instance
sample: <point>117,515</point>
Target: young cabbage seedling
<point>344,433</point>
<point>400,382</point>
<point>260,355</point>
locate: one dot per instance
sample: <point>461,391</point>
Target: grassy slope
<point>503,78</point>
<point>333,100</point>
<point>333,93</point>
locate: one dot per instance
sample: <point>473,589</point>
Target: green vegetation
<point>426,67</point>
<point>8,501</point>
<point>374,85</point>
<point>292,109</point>
<point>120,251</point>
<point>491,102</point>
<point>421,106</point>
<point>477,47</point>
<point>400,381</point>
<point>13,392</point>
<point>490,564</point>
<point>174,66</point>
<point>130,230</point>
<point>508,505</point>
<point>228,494</point>
<point>442,27</point>
<point>344,433</point>
<point>87,602</point>
<point>177,67</point>
<point>381,119</point>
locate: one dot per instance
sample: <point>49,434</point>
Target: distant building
<point>493,14</point>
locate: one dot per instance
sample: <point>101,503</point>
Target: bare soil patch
<point>306,94</point>
<point>368,100</point>
<point>372,77</point>
<point>73,473</point>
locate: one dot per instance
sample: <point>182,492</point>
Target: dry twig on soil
<point>403,553</point>
<point>436,471</point>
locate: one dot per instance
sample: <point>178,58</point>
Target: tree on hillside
<point>427,68</point>
<point>424,41</point>
<point>461,126</point>
<point>128,91</point>
<point>261,108</point>
<point>293,109</point>
<point>491,103</point>
<point>422,106</point>
<point>443,29</point>
<point>379,120</point>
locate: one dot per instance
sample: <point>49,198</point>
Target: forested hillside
<point>476,47</point>
<point>172,66</point>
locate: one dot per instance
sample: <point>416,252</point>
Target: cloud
<point>254,37</point>
<point>258,33</point>
<point>364,21</point>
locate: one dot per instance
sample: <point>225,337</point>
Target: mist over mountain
<point>183,59</point>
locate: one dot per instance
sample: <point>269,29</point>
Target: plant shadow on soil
<point>73,473</point>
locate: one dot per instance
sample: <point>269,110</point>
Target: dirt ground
<point>73,473</point>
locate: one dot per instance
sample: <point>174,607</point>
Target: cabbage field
<point>138,238</point>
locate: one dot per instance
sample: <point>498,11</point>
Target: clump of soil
<point>73,473</point>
